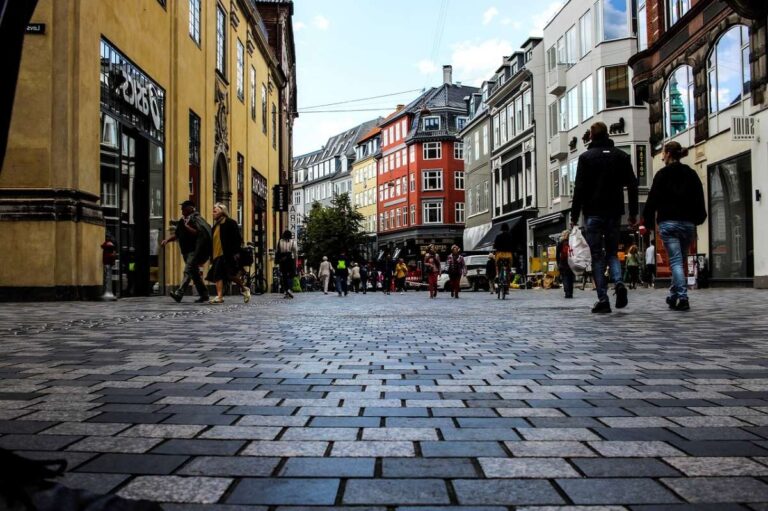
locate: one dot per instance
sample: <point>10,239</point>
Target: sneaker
<point>216,300</point>
<point>602,307</point>
<point>621,296</point>
<point>671,301</point>
<point>176,297</point>
<point>202,299</point>
<point>246,295</point>
<point>682,304</point>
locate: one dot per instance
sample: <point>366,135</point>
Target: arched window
<point>729,78</point>
<point>678,101</point>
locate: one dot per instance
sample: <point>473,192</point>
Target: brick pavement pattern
<point>379,402</point>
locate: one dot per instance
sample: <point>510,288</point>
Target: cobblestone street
<point>397,401</point>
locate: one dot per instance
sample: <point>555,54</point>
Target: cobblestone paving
<point>381,402</point>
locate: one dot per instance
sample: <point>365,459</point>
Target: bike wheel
<point>258,286</point>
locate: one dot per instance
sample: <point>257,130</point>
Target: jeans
<point>603,239</point>
<point>341,284</point>
<point>677,237</point>
<point>192,273</point>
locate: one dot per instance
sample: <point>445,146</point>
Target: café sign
<point>136,91</point>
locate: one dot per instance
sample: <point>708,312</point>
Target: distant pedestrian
<point>373,276</point>
<point>650,263</point>
<point>602,174</point>
<point>354,277</point>
<point>632,261</point>
<point>287,253</point>
<point>566,273</point>
<point>503,244</point>
<point>324,273</point>
<point>401,272</point>
<point>456,269</point>
<point>490,272</point>
<point>676,203</point>
<point>342,274</point>
<point>432,269</point>
<point>387,268</point>
<point>225,266</point>
<point>364,277</point>
<point>194,237</point>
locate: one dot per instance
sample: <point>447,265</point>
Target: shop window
<point>194,157</point>
<point>728,68</point>
<point>677,98</point>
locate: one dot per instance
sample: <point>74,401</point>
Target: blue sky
<point>351,49</point>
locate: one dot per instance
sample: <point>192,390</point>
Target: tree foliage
<point>330,230</point>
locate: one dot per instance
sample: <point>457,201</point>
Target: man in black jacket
<point>601,176</point>
<point>194,236</point>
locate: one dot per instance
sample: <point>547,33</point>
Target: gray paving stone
<point>505,492</point>
<point>624,467</point>
<point>461,449</point>
<point>154,464</point>
<point>719,489</point>
<point>616,491</point>
<point>373,449</point>
<point>285,492</point>
<point>232,466</point>
<point>325,467</point>
<point>447,468</point>
<point>204,490</point>
<point>198,447</point>
<point>94,483</point>
<point>115,444</point>
<point>527,468</point>
<point>284,448</point>
<point>549,449</point>
<point>396,491</point>
<point>721,466</point>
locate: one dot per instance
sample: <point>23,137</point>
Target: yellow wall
<point>365,184</point>
<point>55,127</point>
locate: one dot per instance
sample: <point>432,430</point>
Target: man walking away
<point>503,245</point>
<point>194,236</point>
<point>387,268</point>
<point>342,274</point>
<point>676,202</point>
<point>490,272</point>
<point>650,263</point>
<point>601,176</point>
<point>325,272</point>
<point>364,276</point>
<point>287,252</point>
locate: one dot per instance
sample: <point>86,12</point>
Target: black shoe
<point>176,297</point>
<point>602,307</point>
<point>682,304</point>
<point>569,296</point>
<point>621,296</point>
<point>671,301</point>
<point>202,299</point>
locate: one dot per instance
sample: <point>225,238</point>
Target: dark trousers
<point>455,286</point>
<point>567,276</point>
<point>364,284</point>
<point>341,284</point>
<point>387,283</point>
<point>603,239</point>
<point>192,274</point>
<point>400,283</point>
<point>356,285</point>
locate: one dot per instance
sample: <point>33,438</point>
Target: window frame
<point>667,106</point>
<point>458,150</point>
<point>458,180</point>
<point>195,12</point>
<point>424,121</point>
<point>432,205</point>
<point>221,41</point>
<point>240,70</point>
<point>428,147</point>
<point>428,175</point>
<point>458,207</point>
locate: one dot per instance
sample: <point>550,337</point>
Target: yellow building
<point>364,184</point>
<point>121,113</point>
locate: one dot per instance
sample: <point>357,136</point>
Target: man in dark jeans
<point>601,176</point>
<point>194,236</point>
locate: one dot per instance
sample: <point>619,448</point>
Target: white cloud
<point>473,62</point>
<point>426,66</point>
<point>321,22</point>
<point>515,24</point>
<point>488,15</point>
<point>541,19</point>
<point>299,25</point>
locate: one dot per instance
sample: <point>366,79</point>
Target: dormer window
<point>460,123</point>
<point>432,123</point>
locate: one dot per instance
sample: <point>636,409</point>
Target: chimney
<point>448,75</point>
<point>399,107</point>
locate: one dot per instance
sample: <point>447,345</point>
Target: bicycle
<point>502,280</point>
<point>255,280</point>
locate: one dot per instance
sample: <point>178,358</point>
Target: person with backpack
<point>225,266</point>
<point>561,256</point>
<point>602,174</point>
<point>194,237</point>
<point>676,202</point>
<point>456,269</point>
<point>285,256</point>
<point>342,274</point>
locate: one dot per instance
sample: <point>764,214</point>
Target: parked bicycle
<point>254,280</point>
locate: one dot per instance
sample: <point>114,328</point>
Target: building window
<point>253,93</point>
<point>496,121</point>
<point>503,127</point>
<point>527,109</point>
<point>404,214</point>
<point>432,180</point>
<point>109,131</point>
<point>562,110</point>
<point>677,9</point>
<point>274,126</point>
<point>194,157</point>
<point>587,98</point>
<point>729,74</point>
<point>585,33</point>
<point>485,140</point>
<point>461,122</point>
<point>433,150</point>
<point>109,194</point>
<point>263,108</point>
<point>555,182</point>
<point>519,114</point>
<point>459,212</point>
<point>551,58</point>
<point>432,212</point>
<point>413,182</point>
<point>613,87</point>
<point>677,98</point>
<point>553,119</point>
<point>570,45</point>
<point>573,108</point>
<point>615,19</point>
<point>458,180</point>
<point>412,153</point>
<point>221,41</point>
<point>240,78</point>
<point>573,165</point>
<point>413,214</point>
<point>642,26</point>
<point>194,20</point>
<point>431,123</point>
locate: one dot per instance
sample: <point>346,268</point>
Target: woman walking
<point>456,269</point>
<point>401,271</point>
<point>325,272</point>
<point>387,269</point>
<point>633,267</point>
<point>432,268</point>
<point>287,251</point>
<point>566,273</point>
<point>226,247</point>
<point>490,272</point>
<point>354,277</point>
<point>676,203</point>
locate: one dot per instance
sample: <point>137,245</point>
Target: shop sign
<point>280,198</point>
<point>642,162</point>
<point>259,185</point>
<point>35,29</point>
<point>138,93</point>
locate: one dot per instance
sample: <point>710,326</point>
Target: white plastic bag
<point>579,255</point>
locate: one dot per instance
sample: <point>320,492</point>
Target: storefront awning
<point>487,242</point>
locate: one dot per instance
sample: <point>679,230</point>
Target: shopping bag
<point>579,255</point>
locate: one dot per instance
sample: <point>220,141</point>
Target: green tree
<point>328,231</point>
